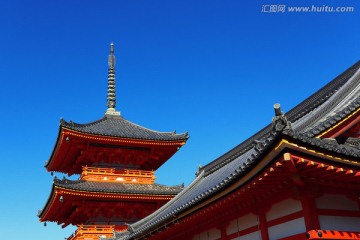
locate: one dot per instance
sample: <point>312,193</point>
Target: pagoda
<point>116,162</point>
<point>297,178</point>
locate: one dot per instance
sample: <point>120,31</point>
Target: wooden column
<point>223,231</point>
<point>309,210</point>
<point>263,225</point>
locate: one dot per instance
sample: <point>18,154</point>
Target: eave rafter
<point>327,173</point>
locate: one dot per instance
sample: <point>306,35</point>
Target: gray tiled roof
<point>114,187</point>
<point>206,185</point>
<point>117,126</point>
<point>317,113</point>
<point>310,115</point>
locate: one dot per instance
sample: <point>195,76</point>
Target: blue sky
<point>213,68</point>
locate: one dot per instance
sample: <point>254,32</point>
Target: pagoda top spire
<point>111,92</point>
<point>111,59</point>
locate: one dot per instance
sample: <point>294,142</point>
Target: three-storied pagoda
<point>296,179</point>
<point>116,160</point>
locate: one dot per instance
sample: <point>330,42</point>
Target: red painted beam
<point>343,127</point>
<point>329,234</point>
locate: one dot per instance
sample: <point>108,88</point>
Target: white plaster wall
<point>287,229</point>
<point>339,223</point>
<point>246,221</point>
<point>333,201</point>
<point>211,234</point>
<point>251,236</point>
<point>283,208</point>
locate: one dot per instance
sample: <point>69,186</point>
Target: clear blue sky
<point>213,68</point>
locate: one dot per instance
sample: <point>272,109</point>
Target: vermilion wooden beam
<point>342,127</point>
<point>336,235</point>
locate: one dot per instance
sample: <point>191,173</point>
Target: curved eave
<point>67,136</point>
<point>238,178</point>
<point>42,213</point>
<point>120,140</point>
<point>118,127</point>
<point>53,207</point>
<point>54,151</point>
<point>114,196</point>
<point>334,154</point>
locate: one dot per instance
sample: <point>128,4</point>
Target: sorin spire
<point>111,92</point>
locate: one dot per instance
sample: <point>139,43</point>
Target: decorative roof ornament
<point>280,122</point>
<point>111,92</point>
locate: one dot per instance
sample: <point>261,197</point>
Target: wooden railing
<point>93,232</point>
<point>113,175</point>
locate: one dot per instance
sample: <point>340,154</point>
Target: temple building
<point>116,161</point>
<point>298,178</point>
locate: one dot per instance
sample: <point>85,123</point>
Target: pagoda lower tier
<point>103,202</point>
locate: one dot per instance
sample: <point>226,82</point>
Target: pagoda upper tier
<point>111,141</point>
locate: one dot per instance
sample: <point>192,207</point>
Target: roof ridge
<point>331,88</point>
<point>71,123</point>
<point>334,102</point>
<point>170,133</point>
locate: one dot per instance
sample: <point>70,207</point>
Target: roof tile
<point>117,187</point>
<point>117,126</point>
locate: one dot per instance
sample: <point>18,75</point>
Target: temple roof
<point>117,126</point>
<point>319,112</point>
<point>205,186</point>
<point>116,187</point>
<point>335,102</point>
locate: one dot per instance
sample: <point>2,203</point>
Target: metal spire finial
<point>111,59</point>
<point>111,92</point>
